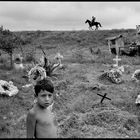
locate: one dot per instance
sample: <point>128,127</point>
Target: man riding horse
<point>93,23</point>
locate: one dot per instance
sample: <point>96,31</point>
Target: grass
<point>78,107</point>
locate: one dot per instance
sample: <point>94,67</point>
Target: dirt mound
<point>107,118</point>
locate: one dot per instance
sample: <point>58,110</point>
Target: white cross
<point>117,60</point>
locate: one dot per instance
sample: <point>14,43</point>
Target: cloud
<point>67,15</point>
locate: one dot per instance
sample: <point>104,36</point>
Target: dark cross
<point>104,96</point>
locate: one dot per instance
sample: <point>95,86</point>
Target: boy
<point>41,121</point>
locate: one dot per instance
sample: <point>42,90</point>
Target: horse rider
<point>93,19</point>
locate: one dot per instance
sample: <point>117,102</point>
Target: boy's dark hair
<point>44,84</point>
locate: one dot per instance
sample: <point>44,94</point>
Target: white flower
<point>58,56</point>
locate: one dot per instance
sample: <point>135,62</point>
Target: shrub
<point>9,41</point>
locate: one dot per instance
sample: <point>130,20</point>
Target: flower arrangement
<point>36,73</point>
<point>7,88</point>
<point>136,75</point>
<point>114,75</point>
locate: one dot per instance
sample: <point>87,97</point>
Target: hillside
<point>76,37</point>
<point>79,111</point>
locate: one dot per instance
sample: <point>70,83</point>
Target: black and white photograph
<point>69,69</point>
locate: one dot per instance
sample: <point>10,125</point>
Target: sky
<point>46,15</point>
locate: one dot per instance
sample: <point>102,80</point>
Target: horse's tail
<point>100,24</point>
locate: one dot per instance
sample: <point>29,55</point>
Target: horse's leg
<point>90,28</point>
<point>96,28</point>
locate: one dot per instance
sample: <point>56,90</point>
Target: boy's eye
<point>44,95</point>
<point>49,95</point>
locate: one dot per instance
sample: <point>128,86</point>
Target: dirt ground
<point>79,111</point>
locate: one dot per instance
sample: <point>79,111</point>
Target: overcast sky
<point>18,16</point>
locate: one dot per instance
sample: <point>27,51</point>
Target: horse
<point>97,24</point>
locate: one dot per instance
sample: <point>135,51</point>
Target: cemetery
<point>97,93</point>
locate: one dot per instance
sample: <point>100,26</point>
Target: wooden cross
<point>117,61</point>
<point>103,97</point>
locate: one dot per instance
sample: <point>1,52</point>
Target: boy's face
<point>45,98</point>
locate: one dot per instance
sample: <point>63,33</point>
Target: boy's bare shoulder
<point>32,112</point>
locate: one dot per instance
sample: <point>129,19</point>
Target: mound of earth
<point>98,122</point>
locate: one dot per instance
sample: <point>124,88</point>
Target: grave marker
<point>103,97</point>
<point>117,61</point>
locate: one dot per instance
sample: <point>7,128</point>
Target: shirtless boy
<point>41,121</point>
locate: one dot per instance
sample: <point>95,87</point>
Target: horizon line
<point>72,30</point>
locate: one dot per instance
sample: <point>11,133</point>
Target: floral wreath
<point>7,88</point>
<point>115,75</point>
<point>36,73</point>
